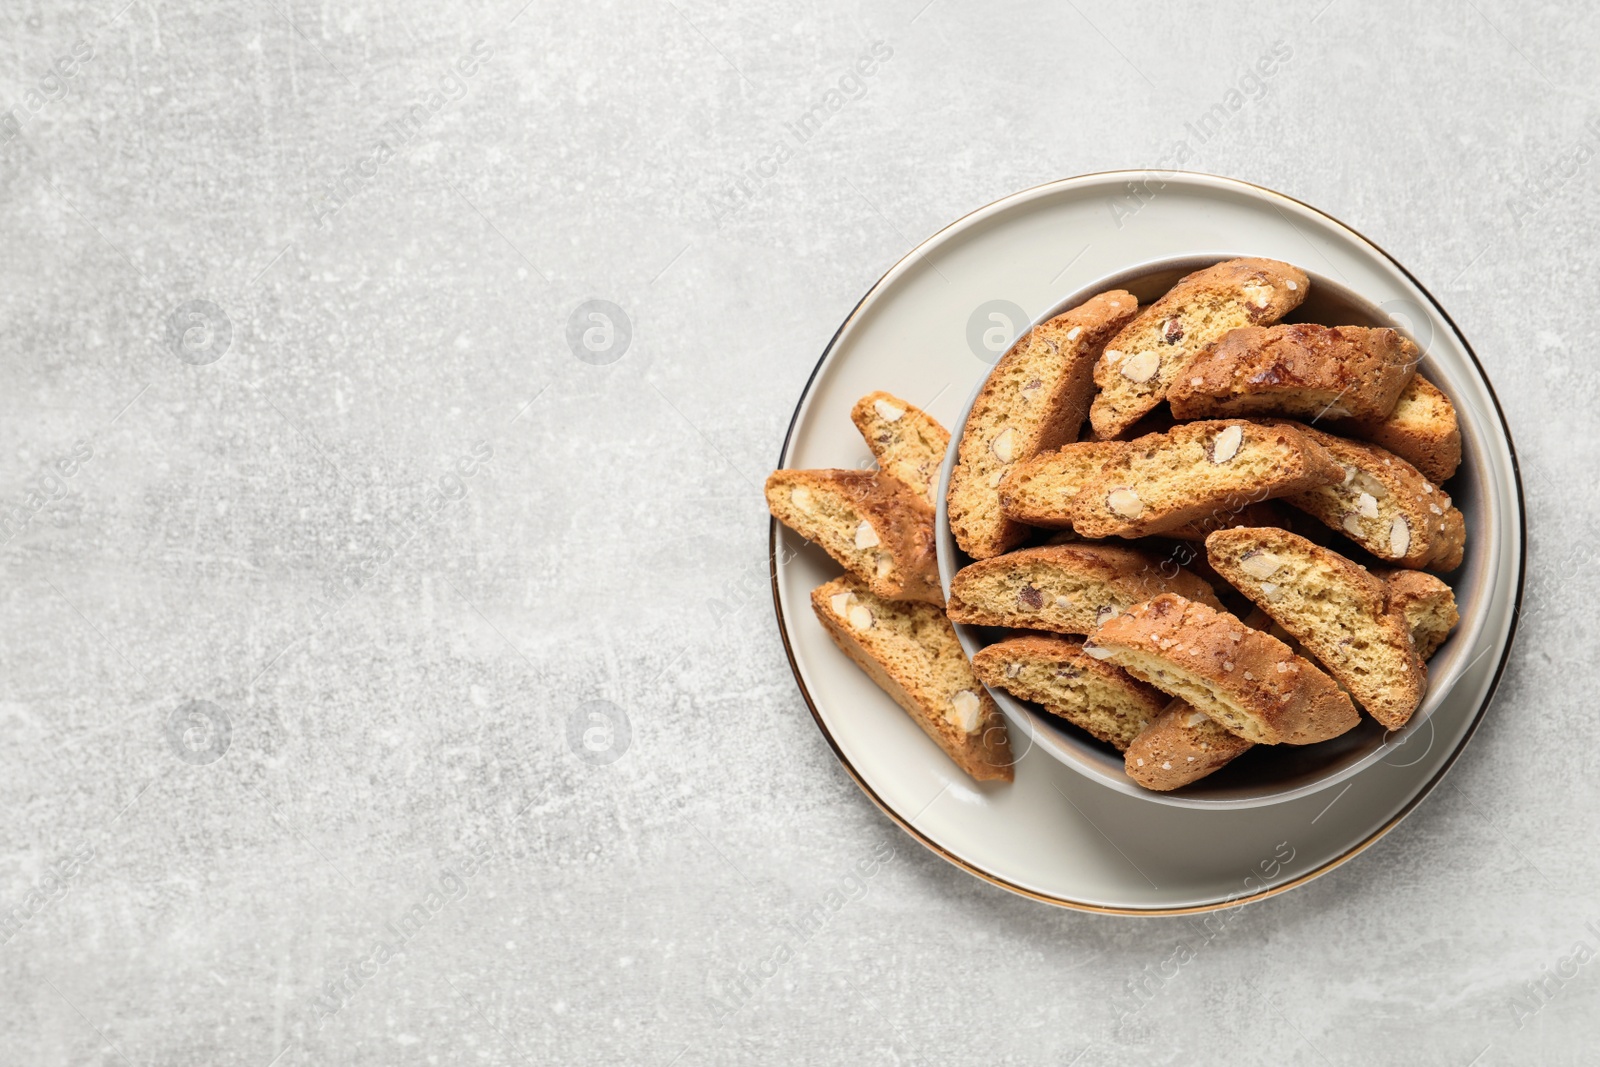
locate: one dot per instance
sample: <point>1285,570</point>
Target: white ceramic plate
<point>928,331</point>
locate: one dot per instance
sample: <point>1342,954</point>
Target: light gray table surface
<point>329,565</point>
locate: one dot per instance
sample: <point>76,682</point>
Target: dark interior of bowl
<point>1270,769</point>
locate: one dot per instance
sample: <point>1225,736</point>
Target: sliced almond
<point>1367,505</point>
<point>1225,445</point>
<point>1004,445</point>
<point>966,706</point>
<point>841,603</point>
<point>1142,367</point>
<point>1352,524</point>
<point>1125,502</point>
<point>1013,669</point>
<point>800,497</point>
<point>866,536</point>
<point>1097,652</point>
<point>1399,537</point>
<point>885,565</point>
<point>888,412</point>
<point>1260,564</point>
<point>860,617</point>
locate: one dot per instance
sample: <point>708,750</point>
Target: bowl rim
<point>1426,789</point>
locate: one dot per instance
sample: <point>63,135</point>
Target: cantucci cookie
<point>1066,589</point>
<point>1386,506</point>
<point>1248,681</point>
<point>1334,608</point>
<point>906,441</point>
<point>873,524</point>
<point>1422,429</point>
<point>1165,480</point>
<point>1181,745</point>
<point>911,651</point>
<point>1055,673</point>
<point>1141,362</point>
<point>1039,491</point>
<point>1427,605</point>
<point>1300,369</point>
<point>1033,401</point>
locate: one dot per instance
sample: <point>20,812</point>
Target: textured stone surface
<point>332,574</point>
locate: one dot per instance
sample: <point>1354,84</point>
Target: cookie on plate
<point>1386,506</point>
<point>907,442</point>
<point>1141,362</point>
<point>1065,589</point>
<point>1181,745</point>
<point>1300,370</point>
<point>873,524</point>
<point>1055,673</point>
<point>1039,491</point>
<point>1421,429</point>
<point>910,650</point>
<point>1249,681</point>
<point>1427,605</point>
<point>1334,608</point>
<point>1165,480</point>
<point>1034,401</point>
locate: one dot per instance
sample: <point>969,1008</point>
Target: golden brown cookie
<point>1141,362</point>
<point>911,651</point>
<point>1055,673</point>
<point>873,524</point>
<point>1249,681</point>
<point>1034,401</point>
<point>1065,588</point>
<point>1299,370</point>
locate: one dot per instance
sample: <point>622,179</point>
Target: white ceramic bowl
<point>1269,774</point>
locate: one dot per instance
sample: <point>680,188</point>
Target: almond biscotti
<point>1141,362</point>
<point>1427,605</point>
<point>1181,745</point>
<point>1421,429</point>
<point>1386,506</point>
<point>1040,491</point>
<point>1333,607</point>
<point>1034,401</point>
<point>1164,480</point>
<point>874,525</point>
<point>1066,589</point>
<point>1300,369</point>
<point>907,442</point>
<point>911,651</point>
<point>1055,673</point>
<point>1248,681</point>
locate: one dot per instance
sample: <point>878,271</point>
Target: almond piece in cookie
<point>1066,589</point>
<point>1141,362</point>
<point>1386,506</point>
<point>874,525</point>
<point>907,442</point>
<point>1034,401</point>
<point>911,651</point>
<point>1300,370</point>
<point>1181,745</point>
<point>1055,673</point>
<point>1427,605</point>
<point>1248,681</point>
<point>1164,480</point>
<point>1039,491</point>
<point>1334,608</point>
<point>1422,429</point>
